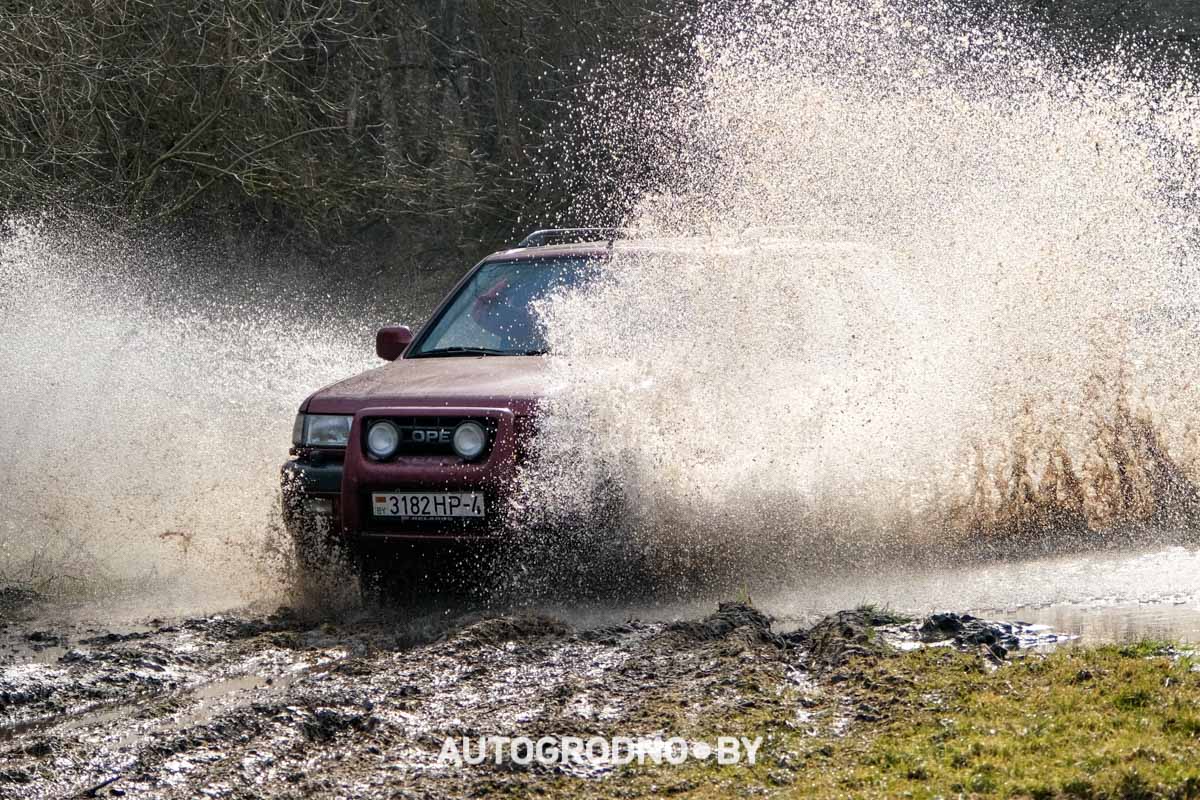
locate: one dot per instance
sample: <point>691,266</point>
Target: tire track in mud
<point>361,705</point>
<point>228,707</point>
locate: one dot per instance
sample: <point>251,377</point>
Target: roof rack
<point>553,236</point>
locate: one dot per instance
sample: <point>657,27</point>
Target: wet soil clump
<point>362,705</point>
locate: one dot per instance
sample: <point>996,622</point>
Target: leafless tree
<point>327,114</point>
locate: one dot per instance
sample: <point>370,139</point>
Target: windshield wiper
<point>463,351</point>
<point>477,351</point>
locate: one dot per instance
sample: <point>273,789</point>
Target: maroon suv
<point>426,447</point>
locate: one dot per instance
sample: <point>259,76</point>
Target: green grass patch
<point>1105,722</point>
<point>1147,647</point>
<point>881,615</point>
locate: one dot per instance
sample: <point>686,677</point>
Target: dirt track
<point>230,706</point>
<point>234,707</point>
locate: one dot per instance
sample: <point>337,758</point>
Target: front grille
<point>430,436</point>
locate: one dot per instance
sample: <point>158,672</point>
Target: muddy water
<point>358,702</point>
<point>152,381</point>
<point>357,706</point>
<point>1098,597</point>
<point>946,287</point>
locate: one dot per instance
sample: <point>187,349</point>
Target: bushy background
<point>448,126</point>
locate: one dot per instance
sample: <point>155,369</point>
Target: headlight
<point>321,430</point>
<point>383,440</point>
<point>469,440</point>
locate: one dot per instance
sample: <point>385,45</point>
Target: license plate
<point>427,505</point>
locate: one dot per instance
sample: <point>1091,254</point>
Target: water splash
<point>148,387</point>
<point>943,287</point>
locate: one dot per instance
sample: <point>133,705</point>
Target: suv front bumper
<point>311,485</point>
<point>337,485</point>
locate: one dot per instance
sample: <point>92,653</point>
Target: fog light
<point>319,506</point>
<point>383,440</point>
<point>469,440</point>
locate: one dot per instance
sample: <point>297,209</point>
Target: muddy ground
<point>360,706</point>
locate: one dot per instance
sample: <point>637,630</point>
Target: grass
<point>1105,722</point>
<point>881,615</point>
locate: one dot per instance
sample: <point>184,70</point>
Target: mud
<point>359,706</point>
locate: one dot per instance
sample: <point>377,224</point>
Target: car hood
<point>516,382</point>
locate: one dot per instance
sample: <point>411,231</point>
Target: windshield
<point>493,313</point>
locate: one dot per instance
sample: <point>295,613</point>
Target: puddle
<point>1117,622</point>
<point>1100,597</point>
<point>212,698</point>
<point>1097,597</point>
<point>200,703</point>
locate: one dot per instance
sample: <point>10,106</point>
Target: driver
<point>505,310</point>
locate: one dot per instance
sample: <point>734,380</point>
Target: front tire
<point>321,561</point>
